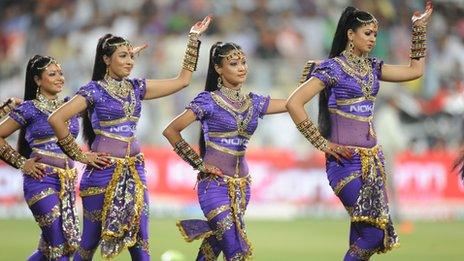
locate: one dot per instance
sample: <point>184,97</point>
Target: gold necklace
<point>242,122</point>
<point>358,67</point>
<point>359,63</point>
<point>47,105</point>
<point>231,94</point>
<point>118,90</point>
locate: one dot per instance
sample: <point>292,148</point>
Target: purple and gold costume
<point>51,200</point>
<point>359,182</point>
<point>115,199</point>
<point>223,201</point>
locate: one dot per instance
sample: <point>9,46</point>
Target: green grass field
<point>304,239</point>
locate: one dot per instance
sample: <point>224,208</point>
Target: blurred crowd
<point>278,37</point>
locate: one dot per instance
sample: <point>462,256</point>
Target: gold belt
<point>369,158</point>
<point>114,136</point>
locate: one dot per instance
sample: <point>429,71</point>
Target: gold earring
<point>351,46</point>
<point>219,81</point>
<point>107,71</point>
<point>38,91</point>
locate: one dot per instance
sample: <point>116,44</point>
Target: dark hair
<point>351,18</point>
<point>107,45</point>
<point>216,54</point>
<point>35,67</point>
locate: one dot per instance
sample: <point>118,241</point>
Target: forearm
<point>296,110</point>
<point>172,135</point>
<point>10,155</point>
<point>276,106</point>
<point>305,125</point>
<point>183,149</point>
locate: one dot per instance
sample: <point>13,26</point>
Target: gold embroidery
<point>47,219</point>
<point>224,149</point>
<point>94,215</point>
<point>143,244</point>
<point>112,243</point>
<point>351,116</point>
<point>92,191</point>
<point>228,134</point>
<point>50,154</point>
<point>342,183</point>
<point>354,100</point>
<point>57,251</point>
<point>237,194</point>
<point>187,238</point>
<point>207,251</point>
<point>213,213</point>
<point>114,136</point>
<point>223,225</point>
<point>238,257</point>
<point>86,254</point>
<point>41,195</point>
<point>226,106</point>
<point>309,67</point>
<point>366,87</point>
<point>363,254</point>
<point>45,140</point>
<point>118,121</point>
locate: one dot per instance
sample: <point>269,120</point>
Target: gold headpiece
<point>44,67</point>
<point>125,42</point>
<point>369,21</point>
<point>234,54</point>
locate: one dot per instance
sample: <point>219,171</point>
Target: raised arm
<point>182,148</point>
<point>415,69</point>
<point>164,87</point>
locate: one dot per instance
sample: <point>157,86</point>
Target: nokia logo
<point>51,146</point>
<point>123,128</point>
<point>361,108</point>
<point>234,141</point>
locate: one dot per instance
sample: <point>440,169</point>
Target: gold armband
<point>190,60</point>
<point>70,147</point>
<point>419,42</point>
<point>312,134</point>
<point>186,152</point>
<point>12,157</point>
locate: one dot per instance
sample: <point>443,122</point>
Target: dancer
<point>228,119</point>
<point>113,187</point>
<point>49,176</point>
<point>347,84</point>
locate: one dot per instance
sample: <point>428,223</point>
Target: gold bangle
<point>190,59</point>
<point>183,149</point>
<point>12,157</point>
<point>69,146</point>
<point>312,134</point>
<point>418,42</point>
